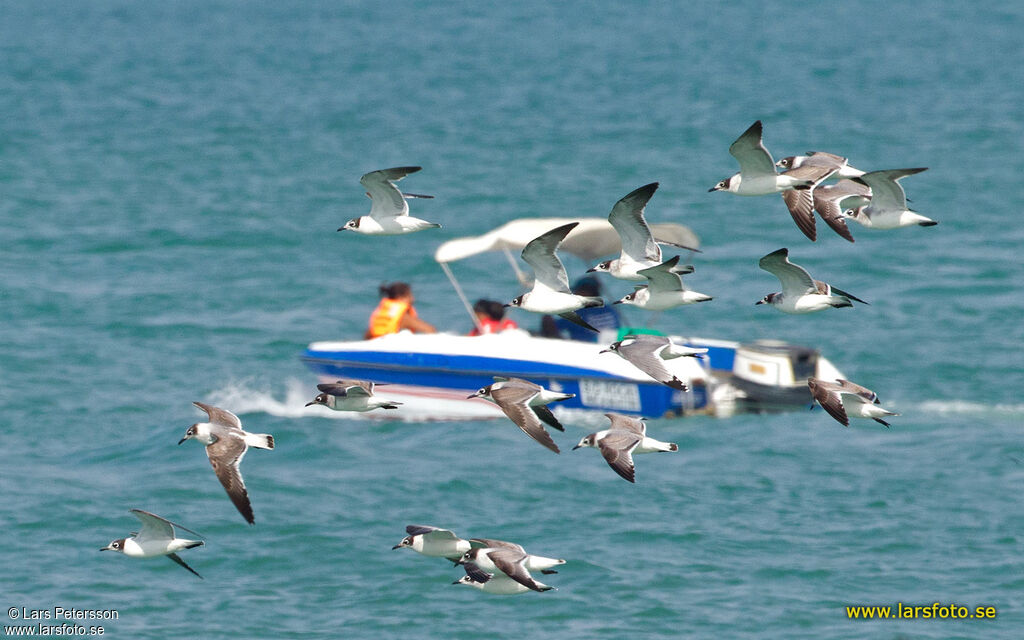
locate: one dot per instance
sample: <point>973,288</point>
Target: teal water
<point>171,177</point>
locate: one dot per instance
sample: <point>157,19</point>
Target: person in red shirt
<point>490,315</point>
<point>395,313</point>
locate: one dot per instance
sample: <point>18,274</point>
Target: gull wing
<point>627,218</point>
<point>826,159</point>
<point>547,417</point>
<point>627,423</point>
<point>513,401</point>
<point>828,200</point>
<point>617,448</point>
<point>177,559</point>
<point>222,417</point>
<point>828,396</point>
<point>156,528</point>
<point>575,318</point>
<point>548,269</point>
<point>644,352</point>
<point>345,389</point>
<point>749,151</point>
<point>520,382</point>
<point>513,564</point>
<point>794,278</point>
<point>886,192</point>
<point>436,534</point>
<point>388,201</point>
<point>845,386</point>
<point>475,573</point>
<point>661,276</point>
<point>491,543</point>
<point>226,455</point>
<point>800,202</point>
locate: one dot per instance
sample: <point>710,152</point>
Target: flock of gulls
<point>873,199</point>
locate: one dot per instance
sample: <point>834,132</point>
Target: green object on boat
<point>635,331</point>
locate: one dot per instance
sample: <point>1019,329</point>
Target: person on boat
<point>490,318</point>
<point>395,313</point>
<point>603,319</point>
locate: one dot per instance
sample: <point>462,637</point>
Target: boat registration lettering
<point>616,395</point>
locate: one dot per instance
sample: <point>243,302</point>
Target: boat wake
<point>248,396</point>
<point>957,407</point>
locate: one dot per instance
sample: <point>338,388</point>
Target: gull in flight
<point>757,175</point>
<point>389,214</point>
<point>640,250</point>
<point>550,293</point>
<point>156,538</point>
<point>800,292</point>
<point>621,440</point>
<point>226,444</point>
<point>843,400</point>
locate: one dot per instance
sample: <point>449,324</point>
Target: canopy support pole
<point>515,267</point>
<point>462,296</point>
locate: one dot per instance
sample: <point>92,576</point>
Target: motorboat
<point>433,374</point>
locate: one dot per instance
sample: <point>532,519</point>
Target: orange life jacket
<point>387,317</point>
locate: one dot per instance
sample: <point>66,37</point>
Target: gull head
<point>320,399</point>
<point>482,392</point>
<point>586,442</point>
<point>406,542</point>
<point>116,545</point>
<point>190,433</point>
<point>351,225</point>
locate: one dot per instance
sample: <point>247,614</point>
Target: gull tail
<point>260,440</point>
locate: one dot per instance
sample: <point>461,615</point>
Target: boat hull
<point>443,374</point>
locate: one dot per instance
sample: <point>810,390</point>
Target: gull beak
<point>592,270</point>
<point>759,302</point>
<point>397,546</point>
<point>182,440</point>
<point>105,549</point>
<point>604,351</point>
<point>576,447</point>
<point>617,302</point>
<point>712,189</point>
<point>310,404</point>
<point>457,582</point>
